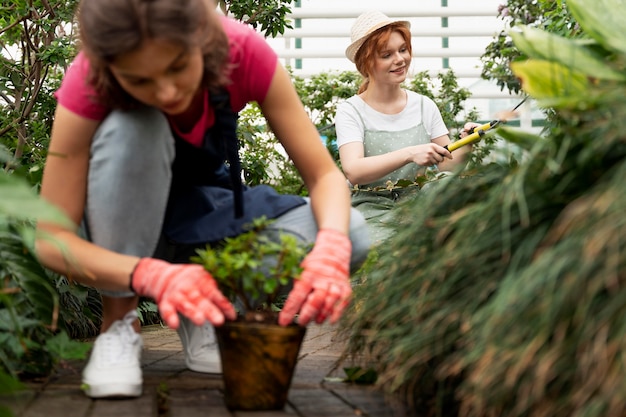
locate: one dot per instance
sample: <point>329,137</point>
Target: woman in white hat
<point>385,132</point>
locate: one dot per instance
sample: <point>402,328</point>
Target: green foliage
<point>34,330</point>
<point>503,294</point>
<point>148,312</point>
<point>80,307</point>
<point>253,268</point>
<point>8,386</point>
<point>33,340</point>
<point>539,44</point>
<point>320,94</point>
<point>269,16</point>
<point>549,15</point>
<point>263,160</point>
<point>35,51</point>
<point>359,375</point>
<point>62,346</point>
<point>20,202</point>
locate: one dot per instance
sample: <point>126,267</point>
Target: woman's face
<point>160,74</point>
<point>393,61</point>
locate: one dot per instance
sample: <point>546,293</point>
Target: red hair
<point>366,55</point>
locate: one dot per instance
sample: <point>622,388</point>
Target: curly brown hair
<point>111,28</point>
<point>365,56</point>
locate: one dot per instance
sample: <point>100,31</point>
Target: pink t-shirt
<point>253,64</point>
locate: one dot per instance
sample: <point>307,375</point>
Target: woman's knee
<point>360,239</point>
<point>128,182</point>
<point>132,137</point>
<point>301,223</point>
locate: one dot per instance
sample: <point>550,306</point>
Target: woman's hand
<point>427,154</point>
<point>467,129</point>
<point>180,288</point>
<point>323,289</point>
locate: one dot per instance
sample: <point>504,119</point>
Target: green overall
<point>376,200</point>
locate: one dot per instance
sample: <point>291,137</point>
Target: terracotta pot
<point>258,362</point>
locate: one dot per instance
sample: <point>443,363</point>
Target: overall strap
<point>226,123</point>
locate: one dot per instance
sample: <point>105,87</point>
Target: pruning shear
<point>478,132</point>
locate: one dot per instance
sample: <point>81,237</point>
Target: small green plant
<point>253,270</point>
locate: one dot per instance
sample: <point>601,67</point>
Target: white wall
<point>487,25</point>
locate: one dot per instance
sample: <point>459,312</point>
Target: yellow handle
<point>478,132</point>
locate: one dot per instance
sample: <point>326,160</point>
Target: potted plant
<point>258,356</point>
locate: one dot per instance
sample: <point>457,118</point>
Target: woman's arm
<point>364,170</point>
<point>330,196</point>
<point>186,289</point>
<point>64,185</point>
<point>457,158</point>
<point>323,290</point>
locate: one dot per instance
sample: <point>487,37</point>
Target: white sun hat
<point>364,26</point>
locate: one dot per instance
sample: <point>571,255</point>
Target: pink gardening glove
<point>323,289</point>
<point>181,288</point>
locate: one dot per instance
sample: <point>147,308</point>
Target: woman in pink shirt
<point>143,154</point>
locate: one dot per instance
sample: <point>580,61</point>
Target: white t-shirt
<point>349,126</point>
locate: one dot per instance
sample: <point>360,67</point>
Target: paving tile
<point>366,399</point>
<point>17,402</point>
<point>58,402</point>
<point>144,406</point>
<point>193,380</point>
<point>312,370</point>
<point>288,411</point>
<point>317,402</point>
<point>197,403</point>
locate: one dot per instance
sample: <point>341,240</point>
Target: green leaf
<point>8,384</point>
<point>251,265</point>
<point>66,349</point>
<point>7,323</point>
<point>603,20</point>
<point>546,80</point>
<point>359,375</point>
<point>29,275</point>
<point>522,138</point>
<point>19,201</point>
<point>539,44</point>
<point>269,286</point>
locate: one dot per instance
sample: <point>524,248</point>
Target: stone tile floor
<point>170,390</point>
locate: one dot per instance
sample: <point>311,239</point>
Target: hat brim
<point>354,47</point>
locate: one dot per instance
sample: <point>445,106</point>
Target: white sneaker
<point>114,368</point>
<point>200,346</point>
